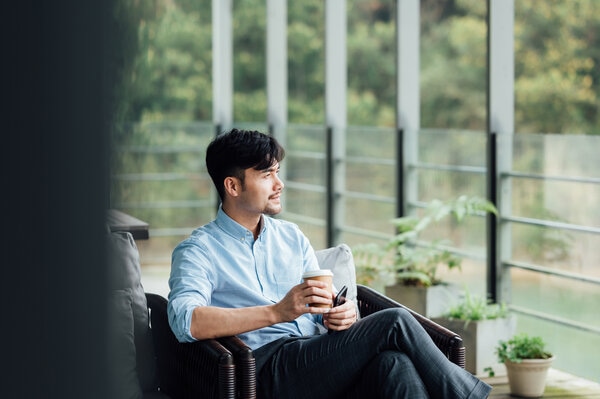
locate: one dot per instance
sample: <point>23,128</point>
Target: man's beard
<point>271,211</point>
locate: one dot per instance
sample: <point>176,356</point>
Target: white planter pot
<point>430,302</point>
<point>480,339</point>
<point>528,378</point>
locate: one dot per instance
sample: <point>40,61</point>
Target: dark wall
<point>55,129</point>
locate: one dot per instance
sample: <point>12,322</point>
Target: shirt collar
<point>235,229</point>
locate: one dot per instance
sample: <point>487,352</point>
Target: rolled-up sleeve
<point>190,287</point>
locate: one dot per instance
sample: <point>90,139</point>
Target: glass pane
<point>371,53</point>
<point>556,71</point>
<point>442,184</point>
<point>249,61</point>
<point>371,142</point>
<point>305,198</point>
<point>567,193</point>
<point>557,296</point>
<point>453,53</point>
<point>305,203</point>
<point>306,61</point>
<point>159,176</point>
<point>452,147</point>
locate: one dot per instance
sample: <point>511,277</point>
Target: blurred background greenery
<point>167,45</point>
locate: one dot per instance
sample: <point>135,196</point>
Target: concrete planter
<point>480,339</point>
<point>528,378</point>
<point>428,301</point>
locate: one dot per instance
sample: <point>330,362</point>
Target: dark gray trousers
<point>385,355</point>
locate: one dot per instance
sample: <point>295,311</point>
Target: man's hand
<point>296,301</point>
<point>341,317</point>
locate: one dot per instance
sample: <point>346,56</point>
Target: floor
<point>559,384</point>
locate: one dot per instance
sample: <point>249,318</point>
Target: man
<point>241,275</point>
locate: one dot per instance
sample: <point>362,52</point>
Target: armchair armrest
<point>206,369</point>
<point>202,369</point>
<point>245,366</point>
<point>450,343</point>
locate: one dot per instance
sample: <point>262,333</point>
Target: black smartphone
<point>340,298</point>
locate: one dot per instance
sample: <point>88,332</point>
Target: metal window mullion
<point>500,129</point>
<point>222,63</point>
<point>335,112</point>
<point>277,73</point>
<point>407,101</point>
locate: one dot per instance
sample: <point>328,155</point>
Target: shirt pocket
<point>286,279</point>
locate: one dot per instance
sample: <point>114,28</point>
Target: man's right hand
<point>297,300</point>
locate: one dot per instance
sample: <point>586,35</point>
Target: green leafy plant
<point>404,257</point>
<point>413,262</point>
<point>522,346</point>
<point>476,308</point>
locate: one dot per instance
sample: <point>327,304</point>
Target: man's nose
<point>279,182</point>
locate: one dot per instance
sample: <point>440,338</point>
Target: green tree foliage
<point>306,62</point>
<point>171,69</point>
<point>371,64</point>
<point>557,51</point>
<point>556,65</point>
<point>453,73</point>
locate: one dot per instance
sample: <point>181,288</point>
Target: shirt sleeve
<point>190,286</point>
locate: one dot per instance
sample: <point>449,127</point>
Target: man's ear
<point>233,186</point>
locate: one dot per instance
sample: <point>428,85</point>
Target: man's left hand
<point>341,317</point>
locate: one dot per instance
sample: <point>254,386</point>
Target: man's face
<point>261,190</point>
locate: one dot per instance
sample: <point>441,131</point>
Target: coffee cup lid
<point>315,273</point>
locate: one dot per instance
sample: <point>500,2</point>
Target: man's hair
<point>230,153</point>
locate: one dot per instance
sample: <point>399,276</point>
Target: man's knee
<point>396,376</point>
<point>393,362</point>
<point>392,316</point>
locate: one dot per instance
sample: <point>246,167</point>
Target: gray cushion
<point>124,265</point>
<point>123,374</point>
<point>340,261</point>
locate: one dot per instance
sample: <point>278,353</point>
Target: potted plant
<point>410,266</point>
<point>527,362</point>
<point>481,324</point>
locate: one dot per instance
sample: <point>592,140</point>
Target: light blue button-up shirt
<point>221,264</point>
